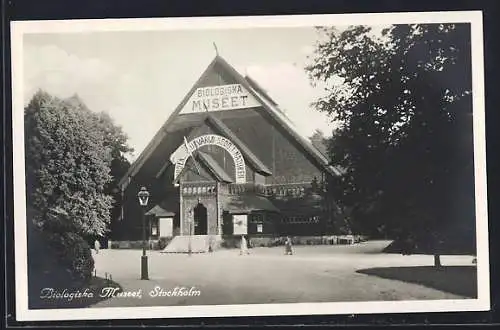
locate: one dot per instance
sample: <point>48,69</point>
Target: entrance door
<point>200,220</point>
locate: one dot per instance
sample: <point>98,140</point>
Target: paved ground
<point>312,274</point>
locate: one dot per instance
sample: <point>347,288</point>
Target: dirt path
<point>313,274</point>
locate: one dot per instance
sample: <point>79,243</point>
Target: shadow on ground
<point>459,280</point>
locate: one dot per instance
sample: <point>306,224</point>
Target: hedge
<point>73,253</point>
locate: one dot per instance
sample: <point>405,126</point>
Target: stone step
<point>199,244</point>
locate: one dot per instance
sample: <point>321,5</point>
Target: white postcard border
<point>18,29</point>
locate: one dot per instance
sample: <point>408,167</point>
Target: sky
<point>140,77</point>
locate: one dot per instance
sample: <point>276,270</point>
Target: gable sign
<point>166,227</point>
<point>216,98</point>
<point>181,154</point>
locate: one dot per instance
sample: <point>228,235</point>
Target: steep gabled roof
<point>162,132</point>
<point>268,105</point>
<point>205,117</point>
<point>259,89</point>
<point>158,211</point>
<point>255,162</point>
<point>221,128</point>
<point>210,165</point>
<point>273,112</point>
<point>216,169</point>
<point>246,203</point>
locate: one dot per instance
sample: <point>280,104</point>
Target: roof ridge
<point>208,159</point>
<point>259,88</point>
<point>265,93</point>
<point>273,112</point>
<point>160,134</point>
<point>247,153</point>
<point>262,96</point>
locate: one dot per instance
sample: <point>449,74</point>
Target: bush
<point>74,254</point>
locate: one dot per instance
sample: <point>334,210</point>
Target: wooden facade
<point>241,168</point>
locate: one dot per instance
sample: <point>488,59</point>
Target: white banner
<point>166,227</point>
<point>216,98</point>
<point>179,156</point>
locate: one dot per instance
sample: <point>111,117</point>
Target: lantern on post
<point>143,197</point>
<point>190,226</point>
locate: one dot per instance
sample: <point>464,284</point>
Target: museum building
<point>227,162</point>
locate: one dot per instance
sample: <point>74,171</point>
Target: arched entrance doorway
<point>200,220</point>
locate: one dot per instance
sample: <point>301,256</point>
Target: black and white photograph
<point>249,166</point>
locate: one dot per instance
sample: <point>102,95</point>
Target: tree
<point>405,134</point>
<point>116,141</point>
<point>74,158</point>
<point>67,166</point>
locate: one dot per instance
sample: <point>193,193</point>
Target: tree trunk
<point>437,261</point>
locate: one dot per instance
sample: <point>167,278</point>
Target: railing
<point>288,189</point>
<point>278,190</point>
<point>199,188</point>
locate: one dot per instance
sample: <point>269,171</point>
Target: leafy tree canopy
<point>402,99</point>
<point>72,155</point>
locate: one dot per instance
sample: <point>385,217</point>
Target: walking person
<point>97,246</point>
<point>288,246</point>
<point>244,246</point>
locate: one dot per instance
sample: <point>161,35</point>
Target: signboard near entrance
<point>166,226</point>
<point>217,98</point>
<point>240,223</point>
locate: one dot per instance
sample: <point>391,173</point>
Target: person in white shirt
<point>97,246</point>
<point>244,246</point>
<point>288,246</point>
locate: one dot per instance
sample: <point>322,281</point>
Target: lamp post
<point>143,196</point>
<point>190,221</point>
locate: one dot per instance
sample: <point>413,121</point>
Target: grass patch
<point>459,280</point>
